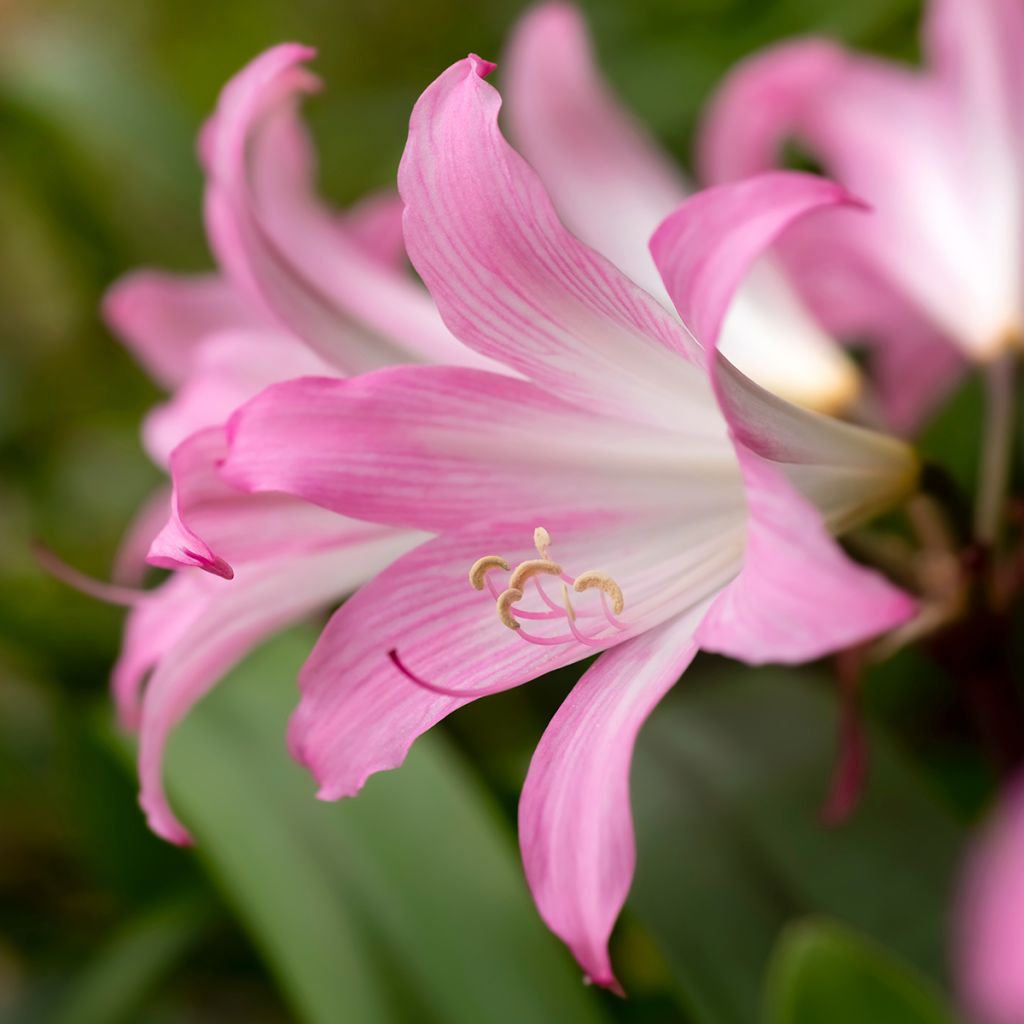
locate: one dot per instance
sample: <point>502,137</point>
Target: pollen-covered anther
<point>590,580</point>
<point>529,569</point>
<point>505,602</point>
<point>482,566</point>
<point>542,542</point>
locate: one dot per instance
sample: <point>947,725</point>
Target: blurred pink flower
<point>300,291</point>
<point>989,951</point>
<point>636,505</point>
<point>936,273</point>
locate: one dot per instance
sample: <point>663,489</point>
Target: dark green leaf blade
<point>823,972</point>
<point>405,904</point>
<point>729,777</point>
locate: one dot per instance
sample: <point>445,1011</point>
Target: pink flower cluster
<point>615,418</point>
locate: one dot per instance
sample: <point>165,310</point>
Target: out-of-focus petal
<point>512,283</point>
<point>436,447</point>
<point>232,620</point>
<point>228,368</point>
<point>912,363</point>
<point>975,49</point>
<point>280,244</point>
<point>375,225</point>
<point>162,317</point>
<point>130,563</point>
<point>213,526</point>
<point>575,822</point>
<point>358,715</point>
<point>611,184</point>
<point>152,628</point>
<point>989,939</point>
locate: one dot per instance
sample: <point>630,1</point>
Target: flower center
<point>586,627</point>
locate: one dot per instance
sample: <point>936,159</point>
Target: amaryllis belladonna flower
<point>300,290</point>
<point>937,153</point>
<point>989,925</point>
<point>626,491</point>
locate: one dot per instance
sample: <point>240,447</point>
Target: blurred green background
<point>407,905</point>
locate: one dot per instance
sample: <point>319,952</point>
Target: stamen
<point>533,567</point>
<point>505,602</point>
<point>482,566</point>
<point>109,593</point>
<point>591,579</point>
<point>567,601</point>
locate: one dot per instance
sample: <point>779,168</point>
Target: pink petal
<point>228,368</point>
<point>359,715</point>
<point>802,471</point>
<point>799,596</point>
<point>609,181</point>
<point>214,525</point>
<point>575,822</point>
<point>223,628</point>
<point>705,249</point>
<point>162,317</point>
<point>436,447</point>
<point>990,919</point>
<point>153,627</point>
<point>280,244</point>
<point>508,278</point>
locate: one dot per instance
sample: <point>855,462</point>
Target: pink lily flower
<point>612,185</point>
<point>627,492</point>
<point>300,291</point>
<point>989,953</point>
<point>937,272</point>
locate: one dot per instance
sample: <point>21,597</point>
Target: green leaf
<point>144,951</point>
<point>405,904</point>
<point>729,777</point>
<point>822,972</point>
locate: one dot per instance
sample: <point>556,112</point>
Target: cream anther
<point>591,579</point>
<point>595,632</point>
<point>542,542</point>
<point>482,566</point>
<point>505,602</point>
<point>531,568</point>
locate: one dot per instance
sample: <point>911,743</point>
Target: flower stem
<point>997,448</point>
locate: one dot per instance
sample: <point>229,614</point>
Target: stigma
<point>593,626</point>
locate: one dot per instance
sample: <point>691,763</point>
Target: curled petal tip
<point>169,829</point>
<point>213,564</point>
<point>482,67</point>
<point>606,981</point>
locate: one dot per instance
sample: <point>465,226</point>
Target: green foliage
<point>419,879</point>
<point>822,972</point>
<point>728,783</point>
